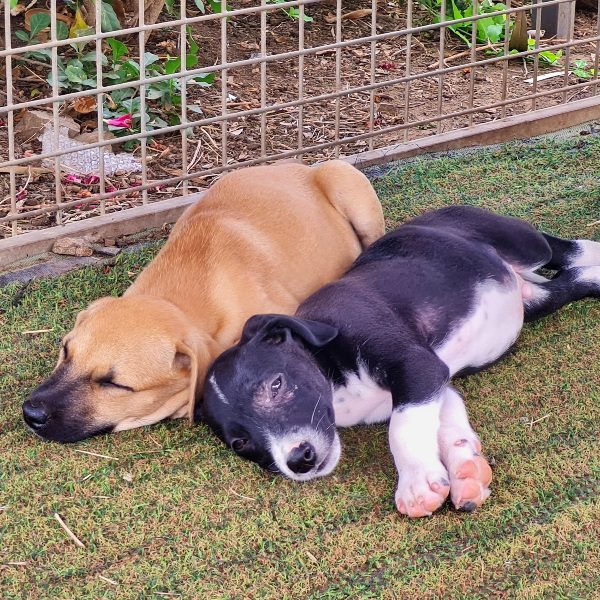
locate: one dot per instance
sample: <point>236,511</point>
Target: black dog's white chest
<point>490,328</point>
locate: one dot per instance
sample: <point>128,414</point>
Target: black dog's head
<point>269,401</point>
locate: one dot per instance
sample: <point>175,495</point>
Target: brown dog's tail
<point>352,194</point>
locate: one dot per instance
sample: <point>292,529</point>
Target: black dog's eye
<point>275,386</point>
<point>239,444</point>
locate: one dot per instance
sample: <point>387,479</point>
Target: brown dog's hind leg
<point>352,194</point>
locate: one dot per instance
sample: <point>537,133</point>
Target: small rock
<point>72,247</point>
<point>108,242</point>
<point>107,250</point>
<point>32,124</point>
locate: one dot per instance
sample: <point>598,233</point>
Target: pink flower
<point>122,122</point>
<point>73,178</point>
<point>90,180</point>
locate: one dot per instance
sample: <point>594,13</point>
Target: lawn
<point>168,512</point>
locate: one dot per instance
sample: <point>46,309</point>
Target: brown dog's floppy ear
<point>185,358</point>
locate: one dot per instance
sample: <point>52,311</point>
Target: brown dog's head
<point>128,362</point>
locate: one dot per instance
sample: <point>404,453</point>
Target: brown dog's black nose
<point>35,415</point>
<point>302,458</point>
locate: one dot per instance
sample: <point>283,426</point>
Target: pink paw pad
<point>470,483</point>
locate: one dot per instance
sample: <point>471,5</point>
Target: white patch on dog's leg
<point>470,474</point>
<point>588,255</point>
<point>218,391</point>
<point>589,275</point>
<point>423,483</point>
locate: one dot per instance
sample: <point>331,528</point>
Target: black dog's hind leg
<point>543,298</point>
<point>572,253</point>
<point>515,240</point>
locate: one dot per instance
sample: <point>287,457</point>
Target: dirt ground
<point>281,133</point>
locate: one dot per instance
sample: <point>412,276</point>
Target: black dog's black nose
<point>302,458</point>
<point>35,415</point>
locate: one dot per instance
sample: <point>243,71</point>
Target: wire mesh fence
<point>105,111</point>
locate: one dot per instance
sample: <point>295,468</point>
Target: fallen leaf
<point>352,15</point>
<point>250,45</point>
<point>357,14</point>
<point>18,9</point>
<point>84,105</point>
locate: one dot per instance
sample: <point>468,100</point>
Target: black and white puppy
<point>445,294</point>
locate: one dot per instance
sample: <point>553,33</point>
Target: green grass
<point>177,513</point>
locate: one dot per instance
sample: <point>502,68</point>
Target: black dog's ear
<point>266,327</point>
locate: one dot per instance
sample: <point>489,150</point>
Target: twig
<point>96,454</point>
<point>111,581</point>
<point>241,495</point>
<point>34,331</point>
<point>592,224</point>
<point>532,423</point>
<point>454,57</point>
<point>75,539</point>
<point>16,563</point>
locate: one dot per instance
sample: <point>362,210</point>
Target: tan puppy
<point>261,240</point>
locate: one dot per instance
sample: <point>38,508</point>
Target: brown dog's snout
<point>35,414</point>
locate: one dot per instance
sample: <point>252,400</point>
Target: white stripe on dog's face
<point>222,397</point>
<point>328,452</point>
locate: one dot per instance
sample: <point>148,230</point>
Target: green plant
<point>547,57</point>
<point>292,12</point>
<point>215,6</point>
<point>38,23</point>
<point>163,97</point>
<point>581,70</point>
<point>489,30</point>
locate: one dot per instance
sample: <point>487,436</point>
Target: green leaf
<point>43,55</point>
<point>131,70</point>
<point>192,45</point>
<point>154,93</point>
<point>108,18</point>
<point>22,35</point>
<point>204,80</point>
<point>150,58</point>
<point>119,49</point>
<point>75,74</point>
<point>172,65</point>
<point>215,6</point>
<point>200,6</point>
<point>38,22</point>
<point>62,30</point>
